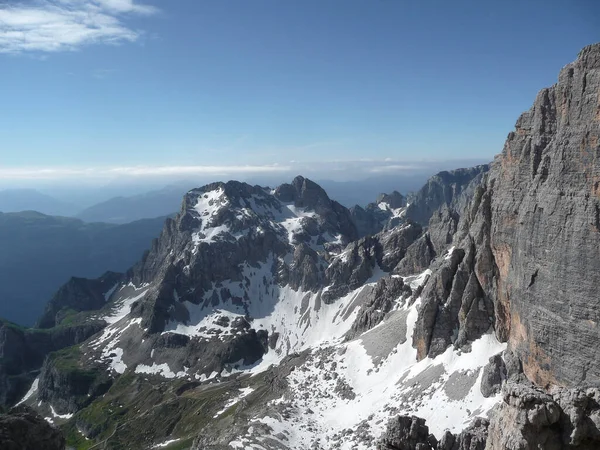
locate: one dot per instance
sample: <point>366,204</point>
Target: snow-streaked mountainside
<point>249,284</point>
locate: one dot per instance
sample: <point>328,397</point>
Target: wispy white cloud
<point>332,169</point>
<point>392,167</point>
<point>62,25</point>
<point>18,173</point>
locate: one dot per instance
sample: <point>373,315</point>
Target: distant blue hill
<point>39,253</point>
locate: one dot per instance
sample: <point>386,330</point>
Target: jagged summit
<point>394,200</point>
<point>589,56</point>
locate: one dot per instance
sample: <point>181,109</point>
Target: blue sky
<point>113,84</point>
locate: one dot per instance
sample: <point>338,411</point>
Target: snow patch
<point>110,292</point>
<point>160,369</point>
<point>244,393</point>
<point>450,251</point>
<point>167,443</point>
<point>59,416</point>
<point>32,390</point>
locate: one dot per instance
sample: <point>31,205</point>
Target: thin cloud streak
<point>134,171</point>
<point>66,25</point>
<point>349,169</point>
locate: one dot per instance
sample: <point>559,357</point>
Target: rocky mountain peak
<point>394,200</point>
<point>589,57</point>
<point>304,193</point>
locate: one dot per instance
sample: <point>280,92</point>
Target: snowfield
<point>342,387</point>
<point>344,391</point>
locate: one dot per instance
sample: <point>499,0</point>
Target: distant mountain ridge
<point>39,253</point>
<point>120,210</point>
<point>13,200</point>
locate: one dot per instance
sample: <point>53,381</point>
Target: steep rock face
<point>455,309</point>
<point>419,256</point>
<point>530,235</point>
<point>23,429</point>
<point>545,230</point>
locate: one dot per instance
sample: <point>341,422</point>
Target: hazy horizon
<point>107,91</point>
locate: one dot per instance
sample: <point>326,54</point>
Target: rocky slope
<point>278,319</point>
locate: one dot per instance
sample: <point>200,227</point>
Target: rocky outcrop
<point>494,374</point>
<point>395,200</point>
<point>386,213</point>
<point>455,309</point>
<point>411,433</point>
<point>368,221</point>
<point>452,189</point>
<point>418,257</point>
<point>363,258</point>
<point>332,216</point>
<point>380,300</point>
<point>67,385</point>
<point>22,353</point>
<point>407,433</point>
<point>78,294</point>
<point>23,429</point>
<point>474,437</point>
<point>530,418</point>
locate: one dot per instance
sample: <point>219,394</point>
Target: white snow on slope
<point>444,390</point>
<point>160,369</point>
<point>118,319</point>
<point>396,212</point>
<point>166,443</point>
<point>244,393</point>
<point>123,307</point>
<point>450,251</point>
<point>32,390</point>
<point>207,207</point>
<point>110,292</point>
<point>60,416</point>
<point>285,217</point>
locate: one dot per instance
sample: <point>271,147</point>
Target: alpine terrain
<point>462,318</point>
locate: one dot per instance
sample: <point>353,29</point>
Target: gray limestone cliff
<point>526,251</point>
<point>532,233</point>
